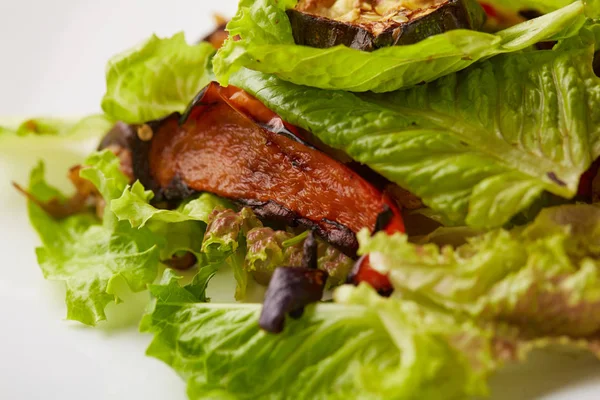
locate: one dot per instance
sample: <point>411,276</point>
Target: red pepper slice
<point>230,144</point>
<point>363,271</point>
<point>489,10</point>
<point>585,183</point>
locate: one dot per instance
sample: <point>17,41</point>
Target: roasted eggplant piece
<point>230,144</point>
<point>292,288</point>
<point>372,24</point>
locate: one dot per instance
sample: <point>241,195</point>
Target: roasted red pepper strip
<point>363,271</point>
<point>230,144</point>
<point>489,10</point>
<point>585,183</point>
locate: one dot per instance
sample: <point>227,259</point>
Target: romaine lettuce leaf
<point>468,144</point>
<point>456,316</point>
<point>90,255</point>
<point>364,347</point>
<point>267,45</point>
<point>156,78</point>
<point>543,279</point>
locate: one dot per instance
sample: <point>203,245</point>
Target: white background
<point>52,58</point>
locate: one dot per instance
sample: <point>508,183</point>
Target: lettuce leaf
<point>210,228</point>
<point>455,318</point>
<point>467,144</point>
<point>89,255</point>
<point>267,45</point>
<point>544,6</point>
<point>368,346</point>
<point>59,142</point>
<point>592,7</point>
<point>156,78</point>
<point>90,126</point>
<point>543,279</point>
<point>134,206</point>
<point>182,228</point>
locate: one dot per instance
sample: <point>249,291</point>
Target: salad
<point>405,193</point>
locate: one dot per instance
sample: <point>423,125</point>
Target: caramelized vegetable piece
<point>589,184</point>
<point>290,290</point>
<point>293,288</point>
<point>217,37</point>
<point>499,18</point>
<point>181,262</point>
<point>390,223</point>
<point>371,24</point>
<point>86,195</point>
<point>230,144</point>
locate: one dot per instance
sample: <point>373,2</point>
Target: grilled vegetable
<point>230,144</point>
<point>219,34</point>
<point>371,24</point>
<point>293,288</point>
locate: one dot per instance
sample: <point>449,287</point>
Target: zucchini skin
<point>316,31</point>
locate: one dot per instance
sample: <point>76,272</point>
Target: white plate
<point>53,58</point>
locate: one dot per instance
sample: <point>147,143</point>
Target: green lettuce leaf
<point>208,227</point>
<point>183,228</point>
<point>366,346</point>
<point>134,206</point>
<point>543,279</point>
<point>456,316</point>
<point>87,127</point>
<point>468,144</point>
<point>156,78</point>
<point>267,45</point>
<point>88,255</point>
<point>59,142</point>
<point>180,238</point>
<point>544,6</point>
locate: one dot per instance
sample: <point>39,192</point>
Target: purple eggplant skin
<point>316,31</point>
<point>293,288</point>
<point>290,290</point>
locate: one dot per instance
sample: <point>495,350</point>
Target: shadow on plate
<point>549,374</point>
